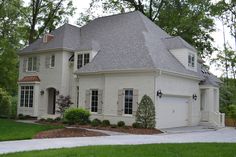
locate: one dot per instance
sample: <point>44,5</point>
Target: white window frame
<point>33,64</point>
<point>91,101</point>
<point>29,97</point>
<point>83,59</point>
<point>128,114</point>
<point>50,62</point>
<point>191,62</point>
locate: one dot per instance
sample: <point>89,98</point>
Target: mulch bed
<point>67,132</point>
<point>126,129</point>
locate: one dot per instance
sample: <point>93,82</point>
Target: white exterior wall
<point>180,87</point>
<point>182,56</point>
<point>110,84</point>
<point>57,77</point>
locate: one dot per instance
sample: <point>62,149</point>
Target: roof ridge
<point>118,14</point>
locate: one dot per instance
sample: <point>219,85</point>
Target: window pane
<point>52,60</point>
<point>30,60</point>
<point>94,101</point>
<point>34,63</point>
<point>22,96</point>
<point>31,96</point>
<point>26,98</point>
<point>86,58</point>
<point>80,61</point>
<point>128,107</point>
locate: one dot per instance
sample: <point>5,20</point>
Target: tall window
<point>32,64</point>
<point>94,101</point>
<point>191,60</point>
<point>26,96</point>
<point>128,101</point>
<point>77,96</point>
<point>82,59</point>
<point>52,61</point>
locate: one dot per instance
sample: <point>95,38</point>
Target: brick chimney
<point>47,38</point>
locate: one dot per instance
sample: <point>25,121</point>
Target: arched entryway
<point>51,100</point>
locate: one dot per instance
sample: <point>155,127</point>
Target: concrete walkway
<point>226,135</point>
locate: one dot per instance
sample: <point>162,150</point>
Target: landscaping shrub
<point>42,119</point>
<point>50,120</point>
<point>113,126</point>
<point>58,119</point>
<point>96,122</point>
<point>136,125</point>
<point>145,115</point>
<point>5,104</point>
<point>105,123</point>
<point>13,112</point>
<point>21,116</point>
<point>121,124</point>
<point>63,102</point>
<point>76,115</point>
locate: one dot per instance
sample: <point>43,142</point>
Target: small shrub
<point>105,123</point>
<point>145,115</point>
<point>121,124</point>
<point>96,122</point>
<point>42,119</point>
<point>113,126</point>
<point>21,116</point>
<point>63,102</point>
<point>13,112</point>
<point>50,120</point>
<point>136,125</point>
<point>76,115</point>
<point>58,119</point>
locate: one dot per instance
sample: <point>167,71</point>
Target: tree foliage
<point>5,103</point>
<point>190,19</point>
<point>145,115</point>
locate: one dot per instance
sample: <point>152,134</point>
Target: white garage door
<point>172,112</point>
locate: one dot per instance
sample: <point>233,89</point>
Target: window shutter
<point>120,101</point>
<point>47,61</point>
<point>100,101</point>
<point>38,63</point>
<point>135,102</point>
<point>24,64</point>
<point>87,99</point>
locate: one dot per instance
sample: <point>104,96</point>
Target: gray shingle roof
<point>128,41</point>
<point>66,37</point>
<point>177,43</point>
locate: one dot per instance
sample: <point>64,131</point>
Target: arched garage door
<point>172,111</point>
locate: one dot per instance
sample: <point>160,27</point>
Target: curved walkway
<point>226,135</point>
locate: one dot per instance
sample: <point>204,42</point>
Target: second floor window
<point>32,64</point>
<point>82,59</point>
<point>52,61</point>
<point>191,60</point>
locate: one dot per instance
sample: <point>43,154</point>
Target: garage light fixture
<point>194,97</point>
<point>159,93</point>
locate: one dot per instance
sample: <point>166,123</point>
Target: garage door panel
<point>172,112</point>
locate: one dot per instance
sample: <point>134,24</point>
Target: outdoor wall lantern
<point>194,97</point>
<point>159,93</point>
<point>57,92</point>
<point>42,92</point>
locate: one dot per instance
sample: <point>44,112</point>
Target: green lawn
<point>11,130</point>
<point>152,150</point>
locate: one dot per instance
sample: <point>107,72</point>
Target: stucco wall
<point>57,77</point>
<point>110,84</point>
<point>178,86</point>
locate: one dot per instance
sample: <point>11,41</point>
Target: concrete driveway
<point>226,135</point>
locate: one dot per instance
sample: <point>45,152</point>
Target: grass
<point>150,150</point>
<point>11,130</point>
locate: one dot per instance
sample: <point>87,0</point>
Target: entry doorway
<point>51,100</point>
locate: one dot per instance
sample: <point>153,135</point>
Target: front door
<point>51,101</point>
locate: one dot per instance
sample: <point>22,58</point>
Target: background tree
<point>145,115</point>
<point>45,15</point>
<point>190,19</point>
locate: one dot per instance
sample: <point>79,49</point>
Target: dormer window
<point>191,60</point>
<point>83,59</point>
